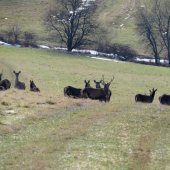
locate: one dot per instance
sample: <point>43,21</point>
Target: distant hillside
<point>117,16</point>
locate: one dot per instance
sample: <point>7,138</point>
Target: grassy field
<point>29,14</point>
<point>49,131</point>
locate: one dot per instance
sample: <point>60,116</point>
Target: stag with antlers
<point>98,93</point>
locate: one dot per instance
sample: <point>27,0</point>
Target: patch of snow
<point>43,46</point>
<point>6,18</point>
<point>121,25</point>
<point>142,6</point>
<point>152,60</point>
<point>106,59</point>
<point>7,44</point>
<point>59,48</point>
<point>1,43</point>
<point>17,45</point>
<point>128,16</point>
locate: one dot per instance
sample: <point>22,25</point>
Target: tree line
<point>153,24</point>
<point>74,23</point>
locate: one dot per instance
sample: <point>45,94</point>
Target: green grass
<point>49,131</point>
<point>28,14</point>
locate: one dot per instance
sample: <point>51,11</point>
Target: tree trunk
<point>169,56</point>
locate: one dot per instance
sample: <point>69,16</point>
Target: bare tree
<point>161,14</point>
<point>13,33</point>
<point>72,21</point>
<point>146,27</point>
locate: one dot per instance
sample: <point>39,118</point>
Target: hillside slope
<point>116,16</point>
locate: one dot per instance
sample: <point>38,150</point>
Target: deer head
<point>87,84</point>
<point>106,85</point>
<point>97,83</point>
<point>152,92</point>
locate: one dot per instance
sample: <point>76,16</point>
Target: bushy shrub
<point>124,52</point>
<point>29,39</point>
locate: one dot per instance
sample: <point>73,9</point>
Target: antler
<point>103,82</point>
<point>111,80</point>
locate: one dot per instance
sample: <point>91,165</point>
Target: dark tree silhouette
<point>149,34</point>
<point>73,22</point>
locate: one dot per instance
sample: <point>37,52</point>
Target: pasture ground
<point>49,131</point>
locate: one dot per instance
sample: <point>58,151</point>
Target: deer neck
<point>152,95</point>
<point>106,90</point>
<point>16,80</point>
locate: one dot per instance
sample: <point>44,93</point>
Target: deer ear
<point>13,71</point>
<point>89,81</point>
<point>95,81</point>
<point>85,81</point>
<point>19,71</point>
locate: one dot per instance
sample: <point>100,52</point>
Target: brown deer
<point>18,84</point>
<point>98,83</point>
<point>145,98</point>
<point>33,87</point>
<point>98,93</point>
<point>73,92</point>
<point>164,99</point>
<point>5,83</point>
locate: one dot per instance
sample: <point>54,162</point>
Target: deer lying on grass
<point>98,93</point>
<point>73,92</point>
<point>5,83</point>
<point>164,99</point>
<point>145,98</point>
<point>18,84</point>
<point>33,87</point>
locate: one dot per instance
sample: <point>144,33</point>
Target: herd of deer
<point>6,84</point>
<point>98,93</point>
<point>104,94</point>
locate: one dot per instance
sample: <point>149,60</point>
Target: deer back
<point>93,93</point>
<point>145,98</point>
<point>20,85</point>
<point>73,92</point>
<point>164,99</point>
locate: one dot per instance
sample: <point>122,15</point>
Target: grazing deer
<point>164,99</point>
<point>98,93</point>
<point>73,92</point>
<point>33,87</point>
<point>145,98</point>
<point>19,84</point>
<point>5,83</point>
<point>98,83</point>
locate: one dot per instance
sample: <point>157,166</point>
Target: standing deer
<point>19,84</point>
<point>73,92</point>
<point>145,98</point>
<point>98,93</point>
<point>164,99</point>
<point>33,87</point>
<point>98,83</point>
<point>5,83</point>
